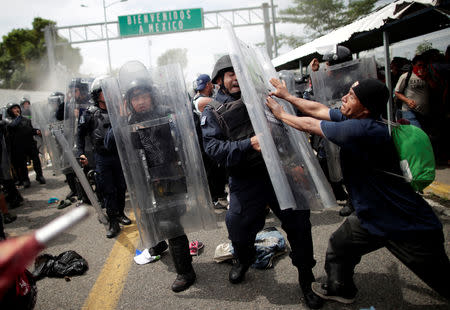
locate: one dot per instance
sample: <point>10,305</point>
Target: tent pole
<point>387,72</point>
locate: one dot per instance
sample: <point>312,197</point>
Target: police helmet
<point>96,88</point>
<point>136,87</point>
<point>81,84</point>
<point>222,65</point>
<point>23,100</point>
<point>11,105</point>
<point>56,98</point>
<point>342,54</point>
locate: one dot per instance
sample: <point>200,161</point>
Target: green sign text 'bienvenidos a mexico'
<point>161,22</point>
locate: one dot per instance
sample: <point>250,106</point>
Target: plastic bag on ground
<point>68,263</point>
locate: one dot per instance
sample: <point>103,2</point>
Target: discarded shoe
<point>144,258</point>
<point>323,291</point>
<point>52,200</point>
<point>195,247</point>
<point>64,204</point>
<point>183,281</point>
<point>9,218</point>
<point>220,205</point>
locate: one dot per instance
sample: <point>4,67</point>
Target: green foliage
<point>290,40</point>
<point>23,56</point>
<point>322,16</point>
<point>358,8</point>
<point>172,56</point>
<point>424,46</point>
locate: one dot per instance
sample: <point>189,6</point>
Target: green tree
<point>321,16</point>
<point>423,47</point>
<point>174,55</point>
<point>23,56</point>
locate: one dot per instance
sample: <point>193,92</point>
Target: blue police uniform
<point>109,177</point>
<point>226,138</point>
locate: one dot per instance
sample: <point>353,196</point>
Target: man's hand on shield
<point>314,65</point>
<point>281,90</point>
<point>83,160</point>
<point>255,143</point>
<point>276,108</point>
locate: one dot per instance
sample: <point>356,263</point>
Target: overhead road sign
<point>161,22</point>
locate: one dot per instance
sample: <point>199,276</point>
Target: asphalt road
<point>114,281</point>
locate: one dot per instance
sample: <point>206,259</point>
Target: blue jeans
<point>411,117</point>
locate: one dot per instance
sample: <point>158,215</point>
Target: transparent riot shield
<point>159,151</point>
<point>71,114</point>
<point>330,84</point>
<point>5,167</point>
<point>296,176</point>
<point>44,117</point>
<point>77,102</point>
<point>81,176</point>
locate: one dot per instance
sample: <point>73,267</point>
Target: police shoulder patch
<point>203,120</point>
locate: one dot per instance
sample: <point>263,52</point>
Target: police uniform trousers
<point>19,162</point>
<point>111,182</point>
<point>169,224</point>
<point>249,196</point>
<point>424,254</point>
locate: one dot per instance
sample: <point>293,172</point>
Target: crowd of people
<point>382,210</point>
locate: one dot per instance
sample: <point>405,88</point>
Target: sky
<point>202,46</point>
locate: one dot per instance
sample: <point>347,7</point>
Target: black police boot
<point>40,178</point>
<point>340,286</point>
<point>245,256</point>
<point>182,260</point>
<point>26,184</point>
<point>158,249</point>
<point>183,281</point>
<point>237,272</point>
<point>305,278</point>
<point>123,219</point>
<point>347,209</point>
<point>114,228</point>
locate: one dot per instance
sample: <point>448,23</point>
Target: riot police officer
<point>229,138</point>
<point>109,176</point>
<point>324,148</point>
<point>20,134</point>
<point>25,106</point>
<point>57,103</point>
<point>167,177</point>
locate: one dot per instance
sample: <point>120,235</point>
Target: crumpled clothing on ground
<point>269,243</point>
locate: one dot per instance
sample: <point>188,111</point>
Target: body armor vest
<point>236,125</point>
<point>101,126</point>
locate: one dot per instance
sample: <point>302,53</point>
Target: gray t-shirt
<point>416,90</point>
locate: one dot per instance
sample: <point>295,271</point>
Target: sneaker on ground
<point>220,205</point>
<point>195,246</point>
<point>321,290</point>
